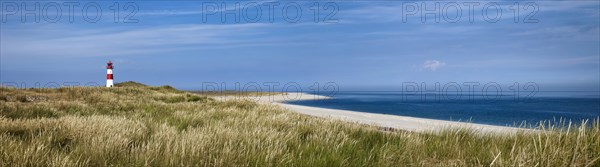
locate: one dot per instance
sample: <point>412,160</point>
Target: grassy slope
<point>136,125</point>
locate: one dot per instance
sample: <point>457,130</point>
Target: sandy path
<point>383,120</point>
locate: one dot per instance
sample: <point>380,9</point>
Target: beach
<point>382,120</point>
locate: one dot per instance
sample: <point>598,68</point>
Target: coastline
<point>382,120</point>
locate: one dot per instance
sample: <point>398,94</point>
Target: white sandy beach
<point>383,120</point>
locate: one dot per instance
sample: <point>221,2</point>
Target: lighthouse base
<point>109,83</point>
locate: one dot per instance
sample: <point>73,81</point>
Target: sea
<point>505,110</point>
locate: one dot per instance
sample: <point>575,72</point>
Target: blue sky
<point>365,45</point>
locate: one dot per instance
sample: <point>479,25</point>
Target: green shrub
<point>175,99</point>
<point>194,98</point>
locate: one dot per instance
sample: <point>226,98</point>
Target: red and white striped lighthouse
<point>109,74</point>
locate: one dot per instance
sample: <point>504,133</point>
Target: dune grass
<point>160,126</point>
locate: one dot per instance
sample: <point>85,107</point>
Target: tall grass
<point>154,126</point>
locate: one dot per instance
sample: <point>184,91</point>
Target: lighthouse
<point>109,74</point>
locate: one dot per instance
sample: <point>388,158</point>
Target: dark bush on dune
<point>130,84</point>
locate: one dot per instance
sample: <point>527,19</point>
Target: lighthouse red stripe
<point>109,76</point>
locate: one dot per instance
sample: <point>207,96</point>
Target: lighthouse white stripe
<point>109,71</point>
<point>109,83</point>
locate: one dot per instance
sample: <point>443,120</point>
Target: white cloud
<point>71,41</point>
<point>394,11</point>
<point>433,65</point>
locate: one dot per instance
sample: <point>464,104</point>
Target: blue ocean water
<point>506,110</point>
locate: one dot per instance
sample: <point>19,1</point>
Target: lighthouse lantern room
<point>109,74</point>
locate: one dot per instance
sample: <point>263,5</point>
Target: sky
<point>357,45</point>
